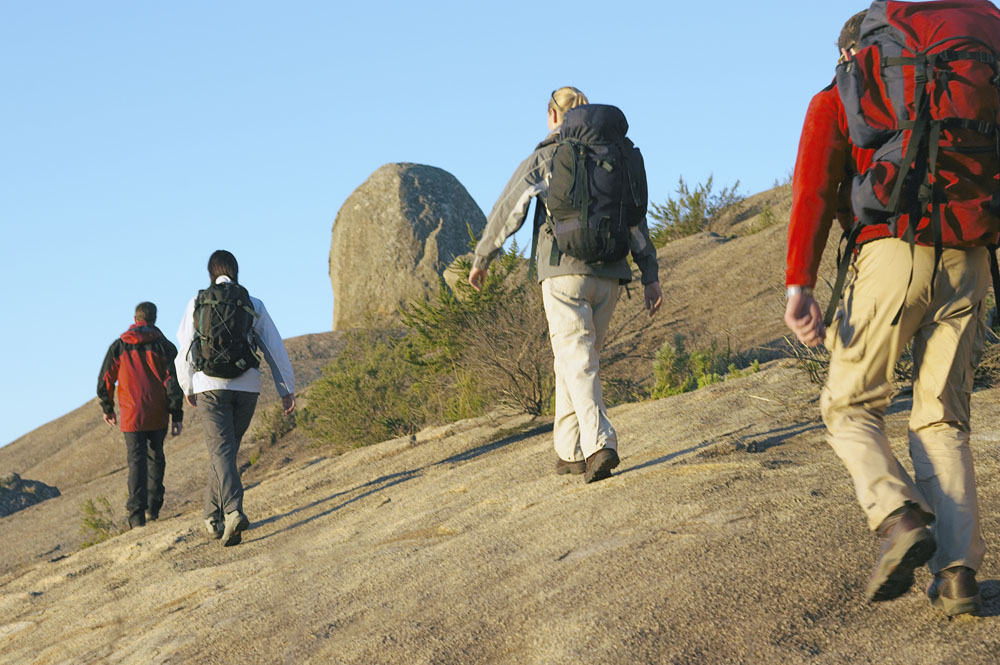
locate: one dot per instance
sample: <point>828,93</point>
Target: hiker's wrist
<point>797,290</point>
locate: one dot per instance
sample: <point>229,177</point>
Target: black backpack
<point>597,192</point>
<point>224,342</point>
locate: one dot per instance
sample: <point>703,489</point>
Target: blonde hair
<point>565,98</point>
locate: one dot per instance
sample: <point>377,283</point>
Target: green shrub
<point>490,346</point>
<point>98,523</point>
<point>691,212</point>
<point>370,393</point>
<point>272,424</point>
<point>459,355</point>
<point>677,370</point>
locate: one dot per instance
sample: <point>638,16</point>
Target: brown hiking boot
<point>563,467</point>
<point>907,544</point>
<point>954,591</point>
<point>599,465</point>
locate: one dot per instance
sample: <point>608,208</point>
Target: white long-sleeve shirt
<point>271,345</point>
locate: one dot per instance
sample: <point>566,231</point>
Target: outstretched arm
<point>107,380</point>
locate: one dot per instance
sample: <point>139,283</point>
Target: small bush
<point>677,370</point>
<point>368,394</point>
<point>272,424</point>
<point>491,345</point>
<point>691,212</point>
<point>816,361</point>
<point>98,523</point>
<point>765,219</point>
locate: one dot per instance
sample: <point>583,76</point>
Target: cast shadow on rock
<point>667,458</point>
<point>758,443</point>
<point>753,443</point>
<point>990,591</point>
<point>375,486</point>
<point>473,453</point>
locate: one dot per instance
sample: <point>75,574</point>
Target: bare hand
<point>653,298</point>
<point>175,428</point>
<point>111,419</point>
<point>193,400</point>
<point>476,278</point>
<point>803,317</point>
<point>288,403</point>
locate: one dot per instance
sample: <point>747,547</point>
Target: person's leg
<point>864,347</point>
<point>565,426</point>
<point>604,298</point>
<point>573,334</point>
<point>215,408</point>
<point>865,342</point>
<point>135,444</point>
<point>947,349</point>
<point>243,405</point>
<point>156,465</point>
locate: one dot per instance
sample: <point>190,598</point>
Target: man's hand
<point>803,317</point>
<point>111,419</point>
<point>288,403</point>
<point>653,298</point>
<point>175,428</point>
<point>192,400</point>
<point>476,277</point>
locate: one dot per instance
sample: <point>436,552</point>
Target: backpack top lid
<point>918,25</point>
<point>594,123</point>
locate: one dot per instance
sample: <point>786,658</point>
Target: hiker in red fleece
<point>921,283</point>
<point>141,362</point>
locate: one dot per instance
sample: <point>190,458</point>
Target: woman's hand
<point>476,278</point>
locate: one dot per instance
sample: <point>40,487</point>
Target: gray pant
<point>226,415</point>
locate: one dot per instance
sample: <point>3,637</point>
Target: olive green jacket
<point>530,180</point>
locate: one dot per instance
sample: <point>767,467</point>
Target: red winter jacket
<point>821,187</point>
<point>141,362</point>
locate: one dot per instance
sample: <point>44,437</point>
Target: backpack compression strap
<point>537,220</point>
<point>843,263</point>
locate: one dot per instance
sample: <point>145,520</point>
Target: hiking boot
<point>907,544</point>
<point>213,527</point>
<point>954,591</point>
<point>232,534</point>
<point>599,465</point>
<point>137,520</point>
<point>563,467</point>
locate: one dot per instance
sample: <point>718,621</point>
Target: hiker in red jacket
<point>896,293</point>
<point>141,362</point>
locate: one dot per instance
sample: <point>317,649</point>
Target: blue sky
<point>138,137</point>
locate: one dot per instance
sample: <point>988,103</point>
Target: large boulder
<point>17,494</point>
<point>393,239</point>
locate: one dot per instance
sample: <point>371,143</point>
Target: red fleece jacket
<point>141,362</point>
<point>821,187</point>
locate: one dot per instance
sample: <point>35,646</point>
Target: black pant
<point>226,415</point>
<point>145,473</point>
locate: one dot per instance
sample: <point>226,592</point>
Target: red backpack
<point>923,91</point>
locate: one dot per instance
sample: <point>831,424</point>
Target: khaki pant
<point>579,309</point>
<point>947,334</point>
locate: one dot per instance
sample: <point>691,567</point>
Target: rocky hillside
<point>728,534</point>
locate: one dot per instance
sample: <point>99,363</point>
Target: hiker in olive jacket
<point>579,299</point>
